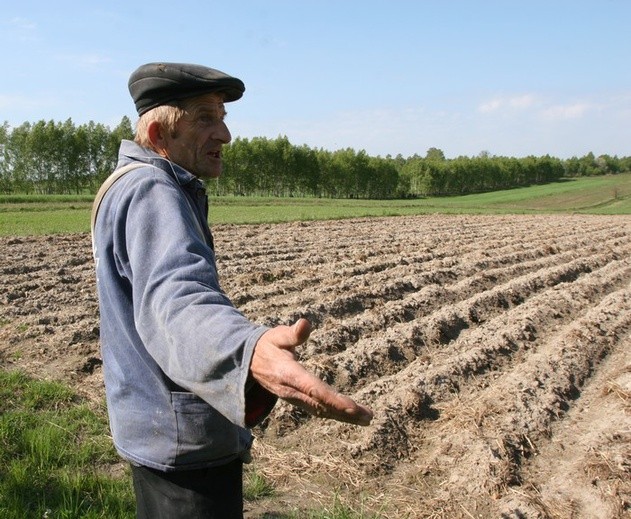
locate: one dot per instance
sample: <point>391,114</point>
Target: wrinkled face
<point>199,135</point>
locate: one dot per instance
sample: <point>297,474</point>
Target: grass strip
<point>22,215</point>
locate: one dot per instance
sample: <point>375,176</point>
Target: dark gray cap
<point>156,84</point>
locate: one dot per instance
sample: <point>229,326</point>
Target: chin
<point>212,175</point>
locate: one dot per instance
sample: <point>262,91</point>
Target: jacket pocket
<point>203,434</point>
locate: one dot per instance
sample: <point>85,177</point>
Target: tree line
<point>49,157</point>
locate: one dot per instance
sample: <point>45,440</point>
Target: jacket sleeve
<point>186,322</point>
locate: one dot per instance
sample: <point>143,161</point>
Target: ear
<point>156,137</point>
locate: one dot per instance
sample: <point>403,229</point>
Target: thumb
<point>302,330</point>
<point>288,337</point>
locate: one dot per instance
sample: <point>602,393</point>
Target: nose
<point>222,133</point>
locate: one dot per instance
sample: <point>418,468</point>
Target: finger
<point>321,400</point>
<point>340,407</point>
<point>356,414</point>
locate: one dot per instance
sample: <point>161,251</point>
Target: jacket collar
<point>132,152</point>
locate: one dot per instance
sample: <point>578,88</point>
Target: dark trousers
<point>213,493</point>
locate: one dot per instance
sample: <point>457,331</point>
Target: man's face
<point>199,136</point>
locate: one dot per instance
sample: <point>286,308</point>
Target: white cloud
<point>565,112</point>
<point>21,29</point>
<point>490,106</point>
<point>522,101</point>
<point>517,102</point>
<point>531,104</point>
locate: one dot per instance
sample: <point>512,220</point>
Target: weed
<point>255,486</point>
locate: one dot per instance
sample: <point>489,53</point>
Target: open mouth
<point>215,154</point>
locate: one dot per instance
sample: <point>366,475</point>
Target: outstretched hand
<point>275,367</point>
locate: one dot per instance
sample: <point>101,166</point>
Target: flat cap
<point>155,84</point>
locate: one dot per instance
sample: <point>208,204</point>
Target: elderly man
<point>186,374</point>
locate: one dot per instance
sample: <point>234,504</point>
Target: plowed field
<point>495,351</point>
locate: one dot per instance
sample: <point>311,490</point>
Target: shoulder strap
<point>109,182</point>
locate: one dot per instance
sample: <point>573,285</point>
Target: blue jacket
<point>176,353</point>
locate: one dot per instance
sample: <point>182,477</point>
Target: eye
<point>212,117</point>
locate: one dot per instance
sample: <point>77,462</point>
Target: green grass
<point>53,454</point>
<point>611,194</point>
<point>255,486</point>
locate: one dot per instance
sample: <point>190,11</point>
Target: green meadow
<point>611,194</point>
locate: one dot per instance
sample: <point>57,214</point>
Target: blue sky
<point>514,78</point>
